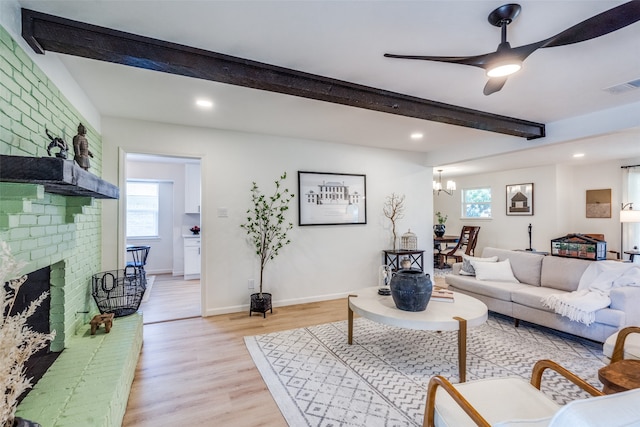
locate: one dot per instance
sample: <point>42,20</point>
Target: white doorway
<point>171,295</point>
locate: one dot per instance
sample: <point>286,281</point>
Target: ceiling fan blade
<point>494,85</point>
<point>474,61</point>
<point>598,25</point>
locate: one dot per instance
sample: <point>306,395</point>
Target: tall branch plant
<point>266,224</point>
<point>394,210</point>
<point>18,342</point>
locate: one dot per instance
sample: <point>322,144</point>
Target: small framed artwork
<point>331,198</point>
<point>599,203</point>
<point>520,199</point>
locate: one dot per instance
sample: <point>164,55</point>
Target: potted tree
<point>267,230</point>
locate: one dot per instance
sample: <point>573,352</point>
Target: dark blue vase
<point>439,230</point>
<point>411,289</point>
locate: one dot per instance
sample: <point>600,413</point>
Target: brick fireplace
<point>61,232</point>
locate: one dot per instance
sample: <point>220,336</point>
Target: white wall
<point>559,205</point>
<point>322,261</point>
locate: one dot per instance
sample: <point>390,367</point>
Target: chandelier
<point>437,185</point>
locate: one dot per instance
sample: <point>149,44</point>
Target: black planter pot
<point>439,230</point>
<point>411,290</point>
<point>261,303</point>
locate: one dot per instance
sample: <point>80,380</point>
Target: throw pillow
<point>496,271</point>
<point>467,266</point>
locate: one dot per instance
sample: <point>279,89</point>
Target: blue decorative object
<point>411,289</point>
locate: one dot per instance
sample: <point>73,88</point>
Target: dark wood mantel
<point>57,175</point>
<point>46,32</point>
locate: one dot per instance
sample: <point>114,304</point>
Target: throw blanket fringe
<point>579,306</point>
<point>593,290</point>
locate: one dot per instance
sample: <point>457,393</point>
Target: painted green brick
<point>23,82</point>
<point>21,55</point>
<point>30,124</point>
<point>29,100</point>
<point>18,233</point>
<point>12,61</point>
<point>6,40</point>
<point>13,113</point>
<point>33,79</point>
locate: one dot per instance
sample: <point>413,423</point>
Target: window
<point>142,209</point>
<point>476,202</point>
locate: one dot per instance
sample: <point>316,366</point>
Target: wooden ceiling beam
<point>46,32</point>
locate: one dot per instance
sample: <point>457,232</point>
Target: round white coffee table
<point>464,312</point>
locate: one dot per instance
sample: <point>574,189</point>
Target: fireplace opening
<point>37,283</point>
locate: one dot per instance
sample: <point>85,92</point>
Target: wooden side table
<point>620,376</point>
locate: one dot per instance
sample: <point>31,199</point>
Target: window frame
<point>463,203</point>
<point>156,213</point>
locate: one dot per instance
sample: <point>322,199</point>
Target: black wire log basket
<point>118,291</point>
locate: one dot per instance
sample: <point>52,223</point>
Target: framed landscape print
<point>599,203</point>
<point>331,198</point>
<point>520,199</point>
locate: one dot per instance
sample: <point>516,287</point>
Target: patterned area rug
<point>317,379</point>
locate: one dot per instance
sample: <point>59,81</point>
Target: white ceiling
<point>346,40</point>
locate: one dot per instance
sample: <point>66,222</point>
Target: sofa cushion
<point>494,271</point>
<point>562,273</point>
<point>467,264</point>
<point>497,290</point>
<point>532,296</point>
<point>526,266</point>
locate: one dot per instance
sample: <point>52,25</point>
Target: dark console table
<point>393,258</point>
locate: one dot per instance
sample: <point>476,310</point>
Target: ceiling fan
<point>507,60</point>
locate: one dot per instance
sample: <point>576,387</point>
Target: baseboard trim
<point>276,303</point>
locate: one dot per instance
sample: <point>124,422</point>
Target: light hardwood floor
<point>171,298</point>
<point>199,371</point>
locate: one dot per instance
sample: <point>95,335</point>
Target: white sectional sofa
<point>540,276</point>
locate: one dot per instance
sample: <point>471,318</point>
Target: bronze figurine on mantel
<point>57,142</point>
<point>81,148</point>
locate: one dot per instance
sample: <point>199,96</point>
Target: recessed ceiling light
<point>204,103</point>
<point>417,135</point>
<point>577,155</point>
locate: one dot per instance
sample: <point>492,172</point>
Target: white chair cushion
<point>498,400</point>
<point>631,346</point>
<point>613,410</point>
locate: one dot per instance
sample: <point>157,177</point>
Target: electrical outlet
<point>252,283</point>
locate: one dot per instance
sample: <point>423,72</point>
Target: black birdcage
<point>118,291</point>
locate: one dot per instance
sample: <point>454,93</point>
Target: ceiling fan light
<point>504,69</point>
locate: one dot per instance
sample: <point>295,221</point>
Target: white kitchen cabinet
<point>191,258</point>
<point>192,188</point>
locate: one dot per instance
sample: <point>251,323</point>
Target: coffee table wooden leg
<point>462,348</point>
<point>350,321</point>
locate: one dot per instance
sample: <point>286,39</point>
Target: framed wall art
<point>598,203</point>
<point>520,199</point>
<point>331,198</point>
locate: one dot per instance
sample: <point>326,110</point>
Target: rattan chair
<point>623,345</point>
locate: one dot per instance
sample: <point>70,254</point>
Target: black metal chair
<point>138,260</point>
